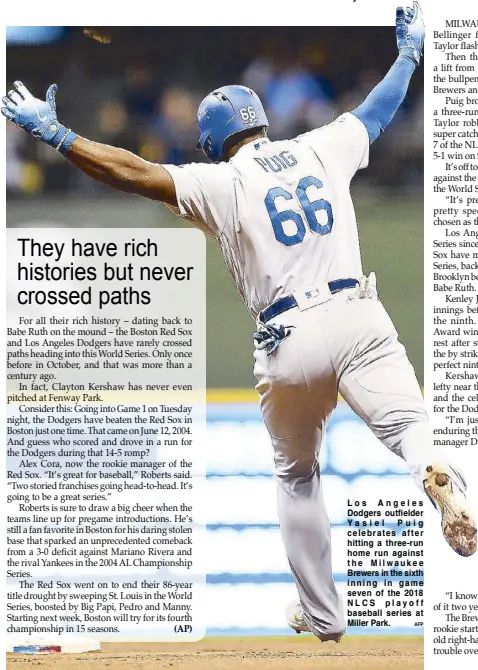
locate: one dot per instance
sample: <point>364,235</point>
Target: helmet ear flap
<point>205,146</point>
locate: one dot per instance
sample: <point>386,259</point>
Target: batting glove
<point>410,31</point>
<point>37,117</point>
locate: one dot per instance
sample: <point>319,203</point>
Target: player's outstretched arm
<point>115,167</point>
<point>123,170</point>
<point>380,106</point>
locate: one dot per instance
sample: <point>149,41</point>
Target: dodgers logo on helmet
<point>225,112</point>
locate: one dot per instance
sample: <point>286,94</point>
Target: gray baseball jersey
<point>282,211</point>
<point>285,222</point>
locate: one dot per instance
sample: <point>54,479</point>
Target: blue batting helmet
<point>225,112</point>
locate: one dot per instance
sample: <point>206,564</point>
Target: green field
<point>391,230</point>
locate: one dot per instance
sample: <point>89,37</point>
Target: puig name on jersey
<point>277,163</point>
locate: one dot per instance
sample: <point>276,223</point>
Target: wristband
<point>410,53</point>
<point>58,136</point>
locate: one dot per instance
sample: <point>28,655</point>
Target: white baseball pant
<point>347,345</point>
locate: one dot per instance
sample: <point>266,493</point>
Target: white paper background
<point>445,571</point>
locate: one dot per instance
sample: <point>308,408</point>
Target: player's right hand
<point>37,117</point>
<point>410,31</point>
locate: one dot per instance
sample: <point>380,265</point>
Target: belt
<point>289,301</point>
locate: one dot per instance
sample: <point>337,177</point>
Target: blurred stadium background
<point>139,90</point>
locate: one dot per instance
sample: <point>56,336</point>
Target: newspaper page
<point>240,340</point>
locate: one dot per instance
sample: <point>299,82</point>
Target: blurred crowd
<point>155,116</point>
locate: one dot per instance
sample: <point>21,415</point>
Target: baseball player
<point>284,220</point>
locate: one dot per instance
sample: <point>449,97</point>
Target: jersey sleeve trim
<point>361,129</point>
<point>180,209</point>
<point>197,197</point>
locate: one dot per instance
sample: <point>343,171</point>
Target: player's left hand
<point>36,117</point>
<point>410,31</point>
